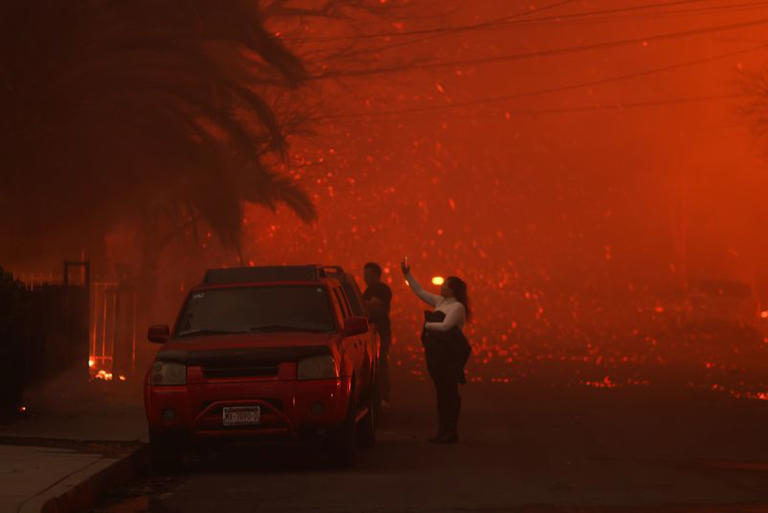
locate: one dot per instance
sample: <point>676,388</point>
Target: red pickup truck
<point>265,353</point>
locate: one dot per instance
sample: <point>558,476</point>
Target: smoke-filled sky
<point>575,168</point>
<point>627,180</point>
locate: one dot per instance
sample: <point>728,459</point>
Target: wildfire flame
<point>102,374</point>
<point>106,375</point>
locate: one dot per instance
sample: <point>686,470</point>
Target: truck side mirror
<point>159,333</point>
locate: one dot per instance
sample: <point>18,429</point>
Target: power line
<point>510,20</point>
<point>443,29</point>
<point>620,105</point>
<point>609,15</point>
<point>543,53</point>
<point>541,92</point>
<point>612,13</point>
<point>518,16</point>
<point>627,105</point>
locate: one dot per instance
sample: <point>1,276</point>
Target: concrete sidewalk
<point>72,444</point>
<point>48,479</point>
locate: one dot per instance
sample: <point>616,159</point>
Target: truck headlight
<point>318,367</point>
<point>168,373</point>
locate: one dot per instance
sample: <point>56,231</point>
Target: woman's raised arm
<point>427,297</point>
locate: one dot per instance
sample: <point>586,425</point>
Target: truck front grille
<point>250,371</point>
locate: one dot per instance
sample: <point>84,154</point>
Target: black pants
<point>443,369</point>
<point>385,336</point>
<point>448,406</point>
<point>384,374</point>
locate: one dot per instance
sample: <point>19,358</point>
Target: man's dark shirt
<point>383,293</point>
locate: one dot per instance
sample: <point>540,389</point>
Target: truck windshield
<point>256,310</point>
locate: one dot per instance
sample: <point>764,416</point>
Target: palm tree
<point>157,112</point>
<point>115,106</point>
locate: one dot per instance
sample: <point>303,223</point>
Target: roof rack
<point>330,270</point>
<point>311,272</point>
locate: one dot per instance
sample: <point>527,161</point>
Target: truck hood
<point>274,347</point>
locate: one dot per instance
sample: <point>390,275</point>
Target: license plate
<point>241,415</point>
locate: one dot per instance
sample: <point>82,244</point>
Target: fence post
<point>80,332</point>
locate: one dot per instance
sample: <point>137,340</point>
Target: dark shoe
<point>448,438</point>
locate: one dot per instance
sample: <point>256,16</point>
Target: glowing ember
<point>605,383</point>
<point>438,280</point>
<point>91,363</point>
<point>103,375</point>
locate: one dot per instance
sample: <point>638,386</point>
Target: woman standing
<point>445,348</point>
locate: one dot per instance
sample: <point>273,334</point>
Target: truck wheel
<point>344,443</point>
<point>165,450</point>
<point>367,426</point>
<point>376,391</point>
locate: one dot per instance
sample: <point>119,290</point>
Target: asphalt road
<point>525,447</point>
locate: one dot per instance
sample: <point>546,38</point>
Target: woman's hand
<point>405,267</point>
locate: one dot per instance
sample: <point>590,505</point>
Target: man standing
<point>378,298</point>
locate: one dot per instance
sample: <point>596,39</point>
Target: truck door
<point>355,300</point>
<point>352,346</point>
<point>365,339</point>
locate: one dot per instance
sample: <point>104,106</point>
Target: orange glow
<point>605,383</point>
<point>581,234</point>
<point>104,375</point>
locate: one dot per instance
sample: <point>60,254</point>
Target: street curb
<point>83,488</point>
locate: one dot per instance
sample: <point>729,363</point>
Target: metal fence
<point>110,318</point>
<point>112,335</point>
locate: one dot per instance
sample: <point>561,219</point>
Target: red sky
<point>566,211</point>
<point>541,189</point>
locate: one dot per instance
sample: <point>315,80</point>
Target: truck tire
<point>166,451</point>
<point>378,410</point>
<point>366,428</point>
<point>343,447</point>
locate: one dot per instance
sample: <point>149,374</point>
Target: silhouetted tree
<point>159,111</point>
